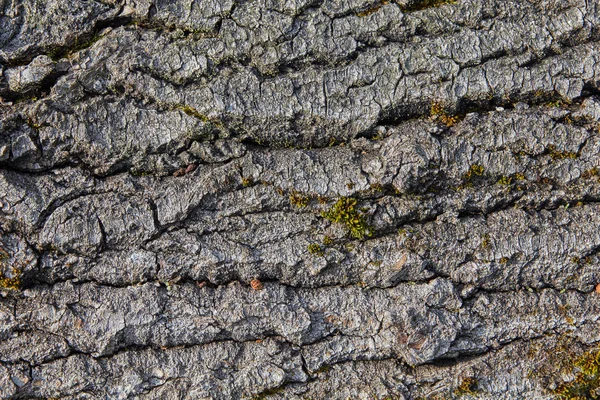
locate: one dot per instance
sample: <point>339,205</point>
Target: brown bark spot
<point>401,262</point>
<point>256,284</point>
<point>191,168</point>
<point>179,172</point>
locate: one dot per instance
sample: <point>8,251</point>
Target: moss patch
<point>13,283</point>
<point>560,155</point>
<point>299,200</point>
<point>586,384</point>
<point>344,211</point>
<point>315,249</point>
<point>372,10</point>
<point>468,386</point>
<point>421,5</point>
<point>247,181</point>
<point>438,112</point>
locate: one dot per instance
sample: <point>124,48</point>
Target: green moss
<point>13,282</point>
<point>507,180</point>
<point>590,173</point>
<point>327,241</point>
<point>299,200</point>
<point>323,370</point>
<point>192,112</point>
<point>560,155</point>
<point>421,5</point>
<point>586,384</point>
<point>504,180</point>
<point>485,241</point>
<point>438,112</point>
<point>344,211</point>
<point>378,187</point>
<point>372,10</point>
<point>558,101</point>
<point>474,170</point>
<point>314,248</point>
<point>247,181</point>
<point>56,53</point>
<point>266,393</point>
<point>468,386</point>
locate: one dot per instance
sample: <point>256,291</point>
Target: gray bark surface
<point>298,199</point>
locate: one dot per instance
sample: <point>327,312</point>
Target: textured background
<point>298,199</point>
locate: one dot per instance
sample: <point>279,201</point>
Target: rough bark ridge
<point>298,198</point>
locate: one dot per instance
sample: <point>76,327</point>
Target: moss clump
<point>372,10</point>
<point>560,155</point>
<point>504,180</point>
<point>586,384</point>
<point>3,254</point>
<point>421,5</point>
<point>439,112</point>
<point>507,180</point>
<point>13,282</point>
<point>247,181</point>
<point>298,200</point>
<point>56,53</point>
<point>474,170</point>
<point>267,393</point>
<point>377,187</point>
<point>323,200</point>
<point>344,211</point>
<point>590,173</point>
<point>192,112</point>
<point>327,241</point>
<point>314,248</point>
<point>468,386</point>
<point>485,241</point>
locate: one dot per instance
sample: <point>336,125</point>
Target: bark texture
<point>298,199</point>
